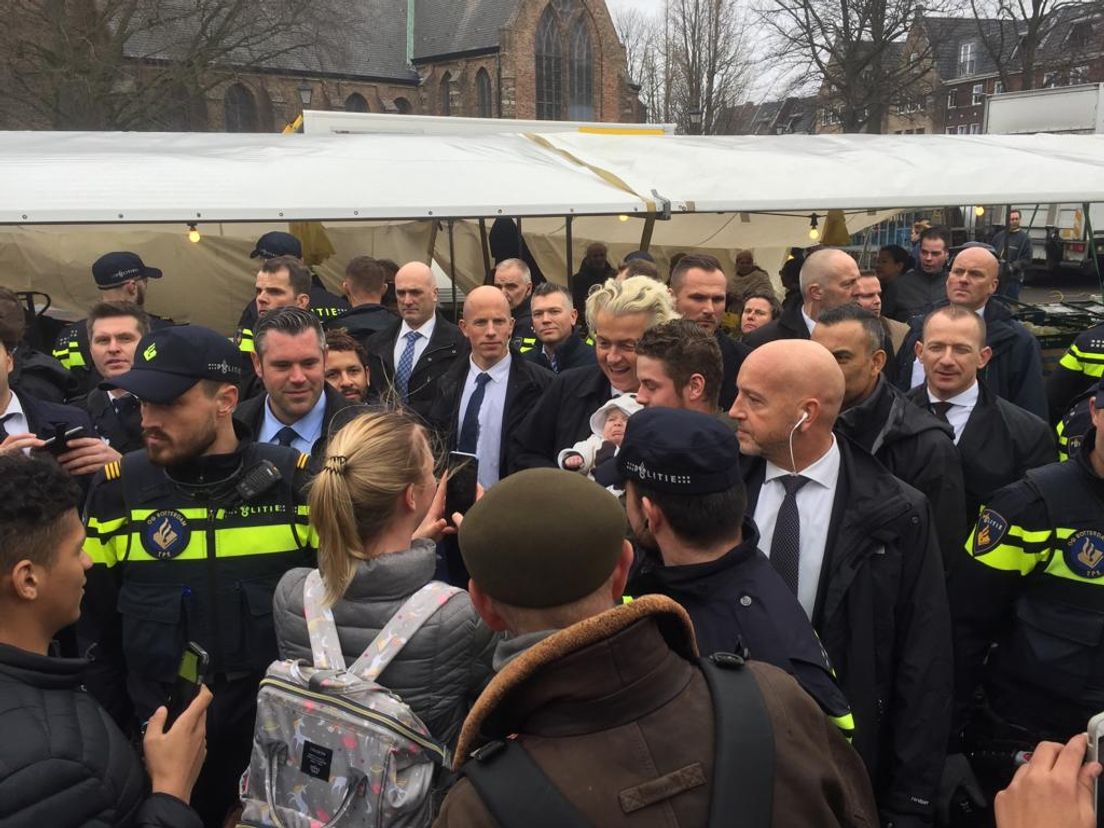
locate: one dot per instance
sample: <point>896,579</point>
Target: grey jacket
<point>441,670</point>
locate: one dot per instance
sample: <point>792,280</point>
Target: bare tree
<point>642,36</point>
<point>141,64</point>
<point>857,51</point>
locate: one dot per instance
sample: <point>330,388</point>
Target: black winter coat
<point>732,355</point>
<point>362,322</point>
<point>41,376</point>
<point>63,761</point>
<point>919,449</point>
<point>560,419</point>
<point>882,615</point>
<point>790,325</point>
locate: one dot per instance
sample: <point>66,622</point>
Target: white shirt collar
<point>825,471</point>
<point>500,371</point>
<point>810,323</point>
<point>425,330</point>
<point>14,406</point>
<point>967,398</point>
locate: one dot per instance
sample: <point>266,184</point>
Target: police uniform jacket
<point>524,337</point>
<point>175,562</point>
<point>323,304</point>
<point>560,419</point>
<point>446,347</point>
<point>72,351</point>
<point>574,352</point>
<point>524,387</point>
<point>919,449</point>
<point>41,376</point>
<point>881,613</point>
<point>738,604</point>
<point>790,325</point>
<point>1032,581</point>
<point>1080,368</point>
<point>999,444</point>
<point>1074,426</point>
<point>117,421</point>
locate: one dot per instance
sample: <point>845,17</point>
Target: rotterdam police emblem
<point>1084,554</point>
<point>166,534</point>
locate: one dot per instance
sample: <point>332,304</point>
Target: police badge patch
<point>166,534</point>
<point>1084,554</point>
<point>989,532</point>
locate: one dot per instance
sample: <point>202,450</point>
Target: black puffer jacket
<point>63,762</point>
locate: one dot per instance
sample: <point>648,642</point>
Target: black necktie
<point>4,431</point>
<point>469,429</point>
<point>286,436</point>
<point>785,552</point>
<point>940,409</point>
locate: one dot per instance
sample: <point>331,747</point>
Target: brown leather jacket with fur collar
<point>617,714</point>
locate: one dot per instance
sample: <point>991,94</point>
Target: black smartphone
<point>58,442</point>
<point>463,473</point>
<point>1095,732</point>
<point>189,678</point>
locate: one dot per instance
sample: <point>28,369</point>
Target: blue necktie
<point>555,363</point>
<point>469,429</point>
<point>406,365</point>
<point>286,436</point>
<point>785,554</point>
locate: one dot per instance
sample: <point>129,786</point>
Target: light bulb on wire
<point>814,231</point>
<point>193,234</point>
<point>979,211</point>
<point>622,217</point>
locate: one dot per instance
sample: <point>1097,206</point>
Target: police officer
<point>514,279</point>
<point>1033,584</point>
<point>188,540</point>
<point>1080,367</point>
<point>325,305</point>
<point>121,277</point>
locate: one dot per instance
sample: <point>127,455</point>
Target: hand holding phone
<point>57,443</point>
<point>463,477</point>
<point>190,677</point>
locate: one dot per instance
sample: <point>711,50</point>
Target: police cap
<point>679,452</point>
<point>169,361</point>
<point>274,244</point>
<point>114,269</point>
<point>542,538</point>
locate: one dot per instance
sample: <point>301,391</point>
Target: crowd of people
<point>811,559</point>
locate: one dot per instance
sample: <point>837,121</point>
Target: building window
<point>967,58</point>
<point>403,105</point>
<point>1079,74</point>
<point>975,129</point>
<point>549,56</point>
<point>1050,80</point>
<point>919,130</point>
<point>977,94</point>
<point>950,130</point>
<point>240,108</point>
<point>952,99</point>
<point>483,94</point>
<point>581,78</point>
<point>356,103</point>
<point>998,87</point>
<point>446,94</point>
<point>1080,33</point>
<point>962,129</point>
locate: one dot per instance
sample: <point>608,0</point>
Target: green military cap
<point>542,538</point>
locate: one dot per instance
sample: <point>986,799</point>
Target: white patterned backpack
<point>331,746</point>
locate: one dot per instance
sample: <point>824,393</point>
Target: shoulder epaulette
<point>303,460</point>
<point>113,471</point>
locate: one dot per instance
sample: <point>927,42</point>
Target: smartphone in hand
<point>58,442</point>
<point>463,474</point>
<point>190,676</point>
<point>1095,731</point>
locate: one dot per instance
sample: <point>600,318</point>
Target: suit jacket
<point>525,385</point>
<point>123,433</point>
<point>572,353</point>
<point>1000,443</point>
<point>251,414</point>
<point>445,347</point>
<point>790,325</point>
<point>44,418</point>
<point>560,419</point>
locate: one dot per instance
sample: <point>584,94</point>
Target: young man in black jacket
<point>63,761</point>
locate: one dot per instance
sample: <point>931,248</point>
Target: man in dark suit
<point>114,330</point>
<point>561,348</point>
<point>997,441</point>
<point>858,548</point>
<point>409,357</point>
<point>699,285</point>
<point>298,406</point>
<point>829,279</point>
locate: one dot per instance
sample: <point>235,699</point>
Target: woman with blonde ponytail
<point>377,510</point>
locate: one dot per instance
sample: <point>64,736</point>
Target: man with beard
<point>188,540</point>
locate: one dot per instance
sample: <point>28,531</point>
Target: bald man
<point>857,547</point>
<point>1015,370</point>
<point>412,353</point>
<point>829,278</point>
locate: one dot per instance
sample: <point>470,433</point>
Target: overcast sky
<point>645,5</point>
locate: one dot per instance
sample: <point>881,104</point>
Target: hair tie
<point>336,463</point>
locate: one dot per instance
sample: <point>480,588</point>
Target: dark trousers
<point>230,720</point>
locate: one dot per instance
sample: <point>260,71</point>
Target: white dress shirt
<point>810,323</point>
<point>814,506</point>
<point>488,447</point>
<point>420,343</point>
<point>308,427</point>
<point>15,421</point>
<point>918,375</point>
<point>962,406</point>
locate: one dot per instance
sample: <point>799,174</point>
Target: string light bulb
<point>979,211</point>
<point>814,231</point>
<point>622,217</point>
<point>193,234</point>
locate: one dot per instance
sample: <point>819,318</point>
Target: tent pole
<point>646,236</point>
<point>1091,241</point>
<point>484,248</point>
<point>570,252</point>
<point>520,243</point>
<point>432,246</point>
<point>452,268</point>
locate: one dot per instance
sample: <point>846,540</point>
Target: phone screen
<point>189,677</point>
<point>463,474</point>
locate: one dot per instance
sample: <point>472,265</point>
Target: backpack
<point>518,794</point>
<point>331,746</point>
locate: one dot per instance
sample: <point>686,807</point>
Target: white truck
<point>1059,232</point>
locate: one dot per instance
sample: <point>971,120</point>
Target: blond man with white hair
<point>618,314</point>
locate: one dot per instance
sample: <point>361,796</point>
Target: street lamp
<point>695,121</point>
<point>305,93</point>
